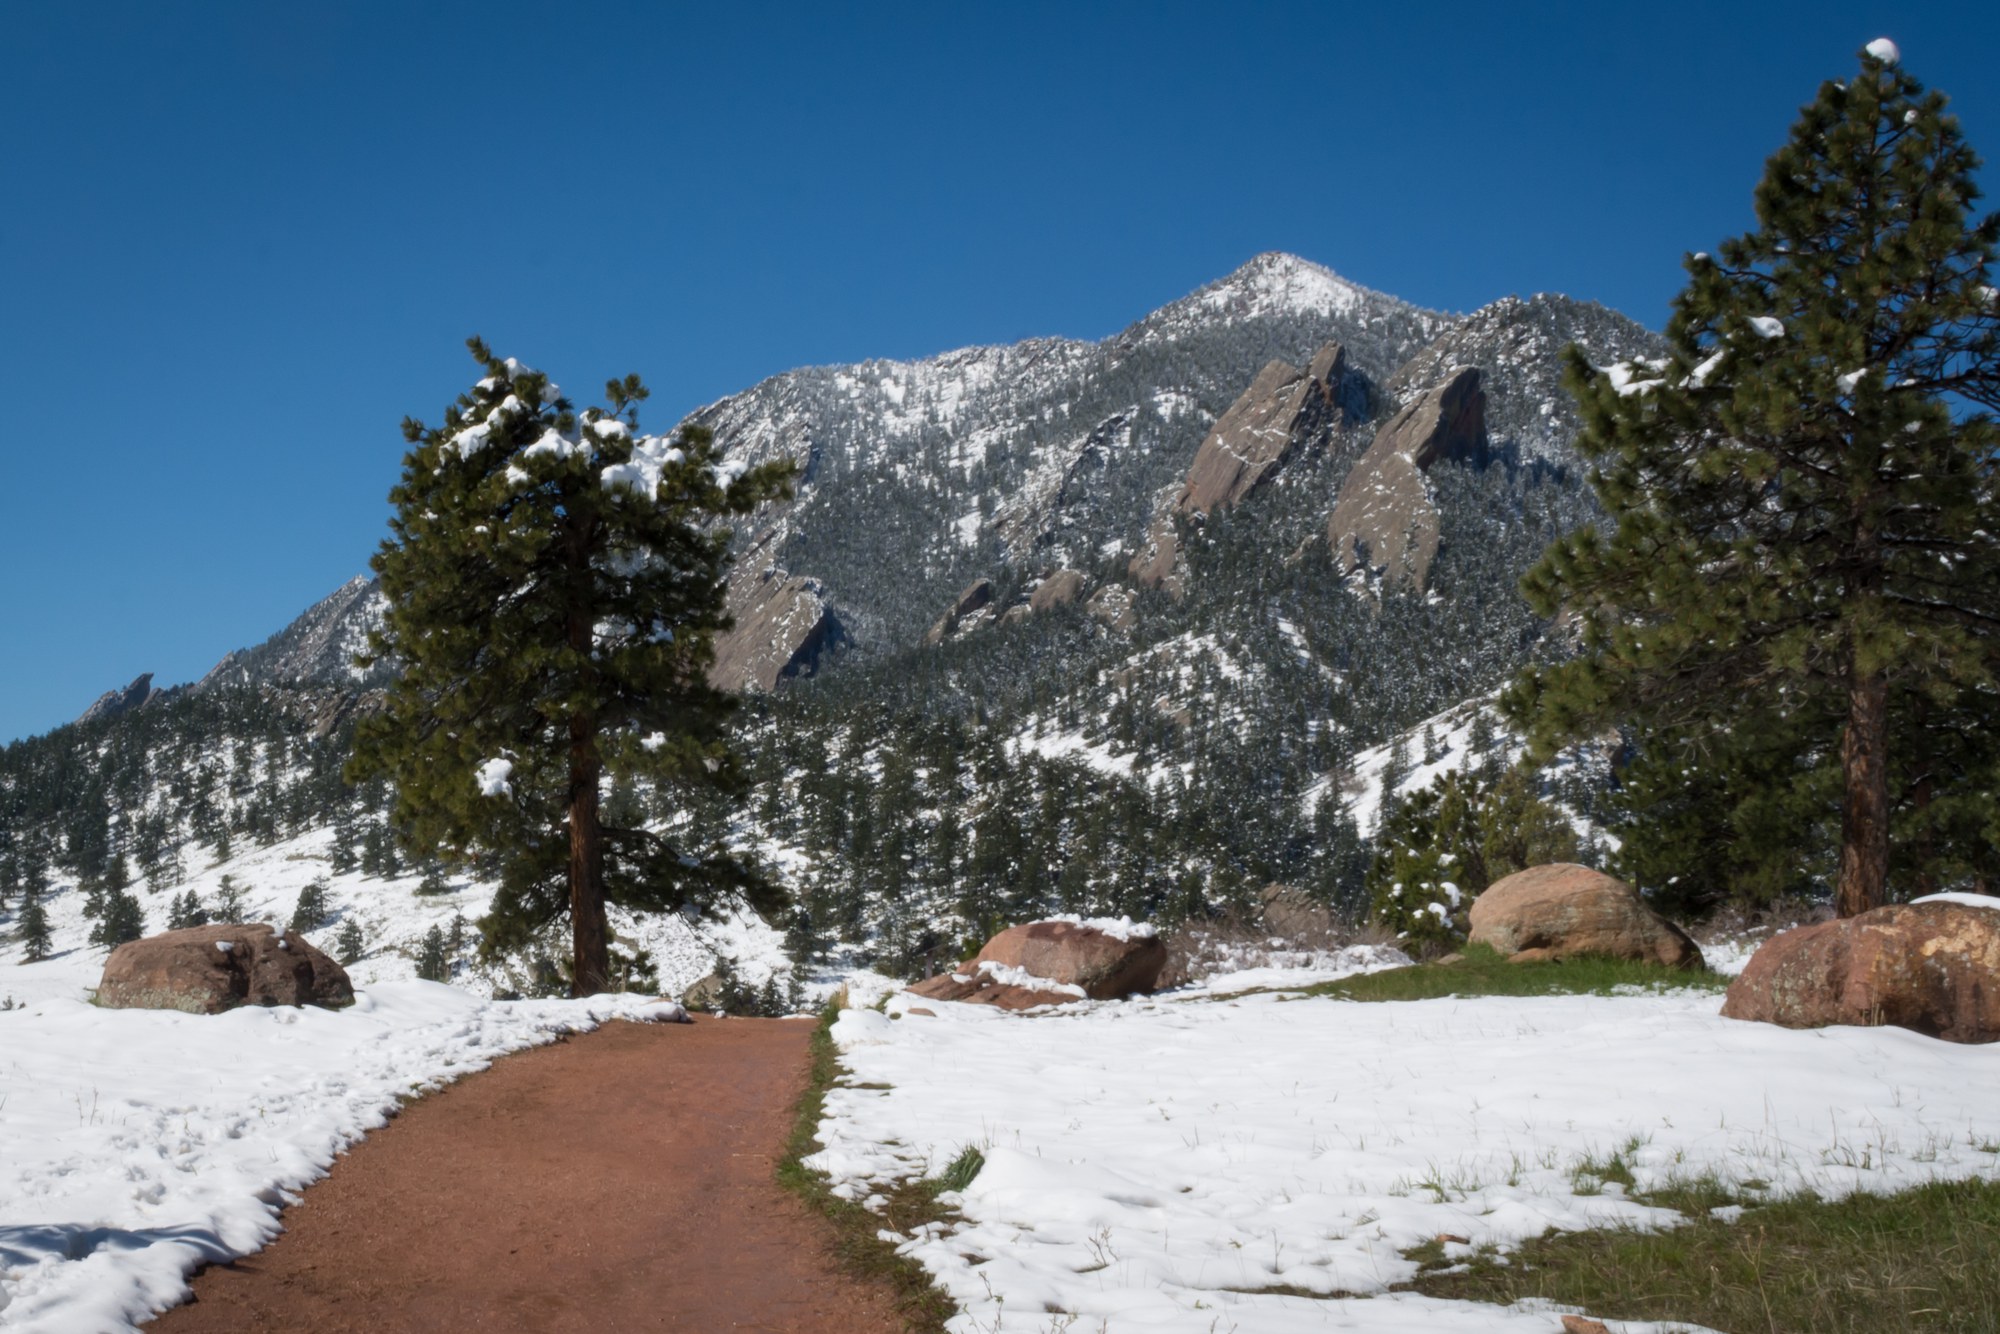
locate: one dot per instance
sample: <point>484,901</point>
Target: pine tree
<point>230,902</point>
<point>33,926</point>
<point>555,583</point>
<point>1807,540</point>
<point>313,909</point>
<point>122,920</point>
<point>432,965</point>
<point>348,945</point>
<point>184,911</point>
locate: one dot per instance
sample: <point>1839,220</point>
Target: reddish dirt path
<point>621,1180</point>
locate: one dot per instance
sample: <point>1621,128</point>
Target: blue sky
<point>238,243</point>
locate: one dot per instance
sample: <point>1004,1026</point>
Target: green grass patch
<point>909,1205</point>
<point>1920,1260</point>
<point>1484,971</point>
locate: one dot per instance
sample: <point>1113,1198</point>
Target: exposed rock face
<point>1384,519</point>
<point>782,623</point>
<point>1111,605</point>
<point>1058,590</point>
<point>973,600</point>
<point>114,703</point>
<point>1105,966</point>
<point>1282,409</point>
<point>209,969</point>
<point>1931,967</point>
<point>1553,912</point>
<point>1157,564</point>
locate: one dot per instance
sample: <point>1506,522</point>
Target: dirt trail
<point>621,1180</point>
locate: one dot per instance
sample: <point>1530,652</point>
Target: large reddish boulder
<point>1932,966</point>
<point>977,986</point>
<point>1107,962</point>
<point>1553,912</point>
<point>209,969</point>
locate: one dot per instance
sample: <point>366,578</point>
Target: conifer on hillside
<point>555,582</point>
<point>33,926</point>
<point>1804,561</point>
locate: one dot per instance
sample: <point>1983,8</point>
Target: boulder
<point>1288,911</point>
<point>1931,966</point>
<point>209,969</point>
<point>1107,965</point>
<point>978,987</point>
<point>1384,519</point>
<point>1552,912</point>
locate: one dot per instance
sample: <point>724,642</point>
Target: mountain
<point>1061,625</point>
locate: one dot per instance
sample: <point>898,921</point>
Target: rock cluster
<point>209,969</point>
<point>1283,410</point>
<point>1553,912</point>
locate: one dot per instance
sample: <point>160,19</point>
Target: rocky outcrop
<point>209,969</point>
<point>1384,520</point>
<point>117,703</point>
<point>1058,590</point>
<point>975,599</point>
<point>1107,965</point>
<point>1553,912</point>
<point>319,647</point>
<point>1933,967</point>
<point>1284,410</point>
<point>782,624</point>
<point>1112,607</point>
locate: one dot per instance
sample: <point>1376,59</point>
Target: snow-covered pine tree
<point>1807,537</point>
<point>555,582</point>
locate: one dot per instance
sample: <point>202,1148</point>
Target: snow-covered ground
<point>393,915</point>
<point>1198,1165</point>
<point>136,1144</point>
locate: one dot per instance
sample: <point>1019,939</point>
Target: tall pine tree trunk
<point>588,932</point>
<point>1864,820</point>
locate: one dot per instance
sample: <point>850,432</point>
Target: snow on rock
<point>1211,1162</point>
<point>143,1143</point>
<point>492,778</point>
<point>1118,928</point>
<point>1964,898</point>
<point>1885,51</point>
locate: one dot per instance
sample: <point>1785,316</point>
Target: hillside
<point>1095,627</point>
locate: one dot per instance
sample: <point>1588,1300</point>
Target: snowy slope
<point>394,917</point>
